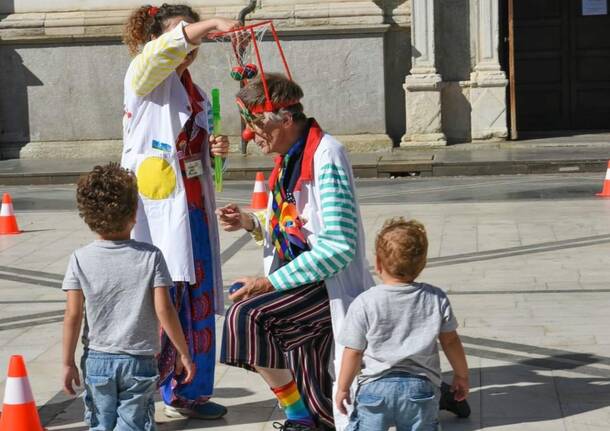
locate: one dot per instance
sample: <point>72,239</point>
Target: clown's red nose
<point>247,135</point>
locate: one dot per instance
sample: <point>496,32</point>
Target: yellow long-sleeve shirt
<point>159,58</point>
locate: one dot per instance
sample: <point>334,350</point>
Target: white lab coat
<point>150,123</point>
<point>355,278</point>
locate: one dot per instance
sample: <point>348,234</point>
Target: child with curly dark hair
<point>123,285</point>
<point>390,336</point>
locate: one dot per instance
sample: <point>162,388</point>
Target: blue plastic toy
<point>235,287</point>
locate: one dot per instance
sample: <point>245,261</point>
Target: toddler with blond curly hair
<point>390,336</point>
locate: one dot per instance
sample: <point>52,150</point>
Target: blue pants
<point>119,391</point>
<point>410,403</point>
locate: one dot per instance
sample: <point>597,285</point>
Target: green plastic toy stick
<point>218,162</point>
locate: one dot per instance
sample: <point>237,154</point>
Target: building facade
<point>487,70</point>
<point>378,74</point>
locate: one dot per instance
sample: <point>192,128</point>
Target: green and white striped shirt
<point>337,242</point>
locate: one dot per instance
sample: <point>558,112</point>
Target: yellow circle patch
<point>156,178</point>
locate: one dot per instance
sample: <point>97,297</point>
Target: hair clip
<point>153,11</point>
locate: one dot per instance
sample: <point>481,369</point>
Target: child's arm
<point>161,56</point>
<point>350,367</point>
<point>72,323</point>
<point>452,346</point>
<point>197,31</point>
<point>166,313</point>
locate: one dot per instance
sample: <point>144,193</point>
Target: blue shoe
<point>206,411</point>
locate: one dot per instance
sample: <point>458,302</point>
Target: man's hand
<point>219,146</point>
<point>231,218</point>
<point>253,286</point>
<point>70,375</point>
<point>460,387</point>
<point>341,399</point>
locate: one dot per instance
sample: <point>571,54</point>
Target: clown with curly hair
<point>169,142</point>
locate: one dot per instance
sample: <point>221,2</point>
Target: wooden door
<point>561,59</point>
<point>589,68</point>
<point>508,33</point>
<point>542,67</point>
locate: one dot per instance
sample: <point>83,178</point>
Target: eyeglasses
<point>251,120</point>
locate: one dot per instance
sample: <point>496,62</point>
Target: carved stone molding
<point>311,16</point>
<point>488,81</point>
<point>423,85</point>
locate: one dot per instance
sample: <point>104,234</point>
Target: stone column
<point>488,81</point>
<point>423,85</point>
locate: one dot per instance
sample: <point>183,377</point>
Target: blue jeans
<point>408,402</point>
<point>119,391</point>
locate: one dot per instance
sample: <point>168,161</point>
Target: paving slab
<point>526,277</point>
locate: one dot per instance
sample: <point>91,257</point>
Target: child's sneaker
<point>292,426</point>
<point>459,408</point>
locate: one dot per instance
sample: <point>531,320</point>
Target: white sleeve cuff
<point>179,35</point>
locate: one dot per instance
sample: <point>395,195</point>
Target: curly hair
<point>107,198</point>
<point>402,248</point>
<point>142,25</point>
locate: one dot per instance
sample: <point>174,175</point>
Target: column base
<point>490,135</point>
<point>424,116</point>
<point>424,140</point>
<point>488,100</point>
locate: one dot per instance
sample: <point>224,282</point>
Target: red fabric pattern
<point>194,144</point>
<point>314,137</point>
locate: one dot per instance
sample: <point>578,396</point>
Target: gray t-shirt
<point>117,279</point>
<point>397,326</point>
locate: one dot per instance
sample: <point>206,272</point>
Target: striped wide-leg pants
<point>286,330</point>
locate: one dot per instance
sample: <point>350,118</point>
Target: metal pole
<point>246,11</point>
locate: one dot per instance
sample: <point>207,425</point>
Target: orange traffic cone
<point>8,221</point>
<point>260,195</point>
<point>605,193</point>
<point>19,410</point>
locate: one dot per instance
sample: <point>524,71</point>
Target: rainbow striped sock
<point>293,405</point>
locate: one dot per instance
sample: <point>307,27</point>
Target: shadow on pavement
<point>534,390</point>
<point>232,392</point>
<point>529,385</point>
<point>530,391</point>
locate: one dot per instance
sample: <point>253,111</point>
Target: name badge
<point>193,166</point>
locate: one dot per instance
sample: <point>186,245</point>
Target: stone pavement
<point>587,153</point>
<point>528,279</point>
